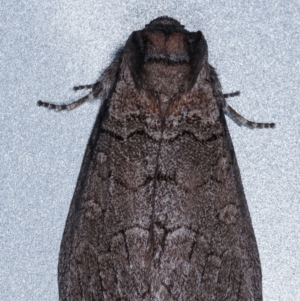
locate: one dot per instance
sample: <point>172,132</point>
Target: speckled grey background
<point>48,47</point>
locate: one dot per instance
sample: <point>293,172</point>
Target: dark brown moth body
<point>159,212</point>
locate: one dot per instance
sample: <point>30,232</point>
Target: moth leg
<point>233,94</point>
<point>68,107</point>
<point>100,89</point>
<point>243,121</point>
<point>76,88</point>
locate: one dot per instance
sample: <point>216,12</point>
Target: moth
<point>159,211</point>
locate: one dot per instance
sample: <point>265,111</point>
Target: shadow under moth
<point>159,212</point>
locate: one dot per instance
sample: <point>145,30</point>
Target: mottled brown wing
<point>159,212</point>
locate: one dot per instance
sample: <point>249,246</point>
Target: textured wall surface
<point>46,48</point>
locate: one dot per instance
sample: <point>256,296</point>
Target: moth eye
<point>191,40</point>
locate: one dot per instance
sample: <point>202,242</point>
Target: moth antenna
<point>243,121</point>
<point>233,94</point>
<point>68,107</point>
<point>81,87</point>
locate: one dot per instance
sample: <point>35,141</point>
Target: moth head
<point>165,40</point>
<point>164,21</point>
